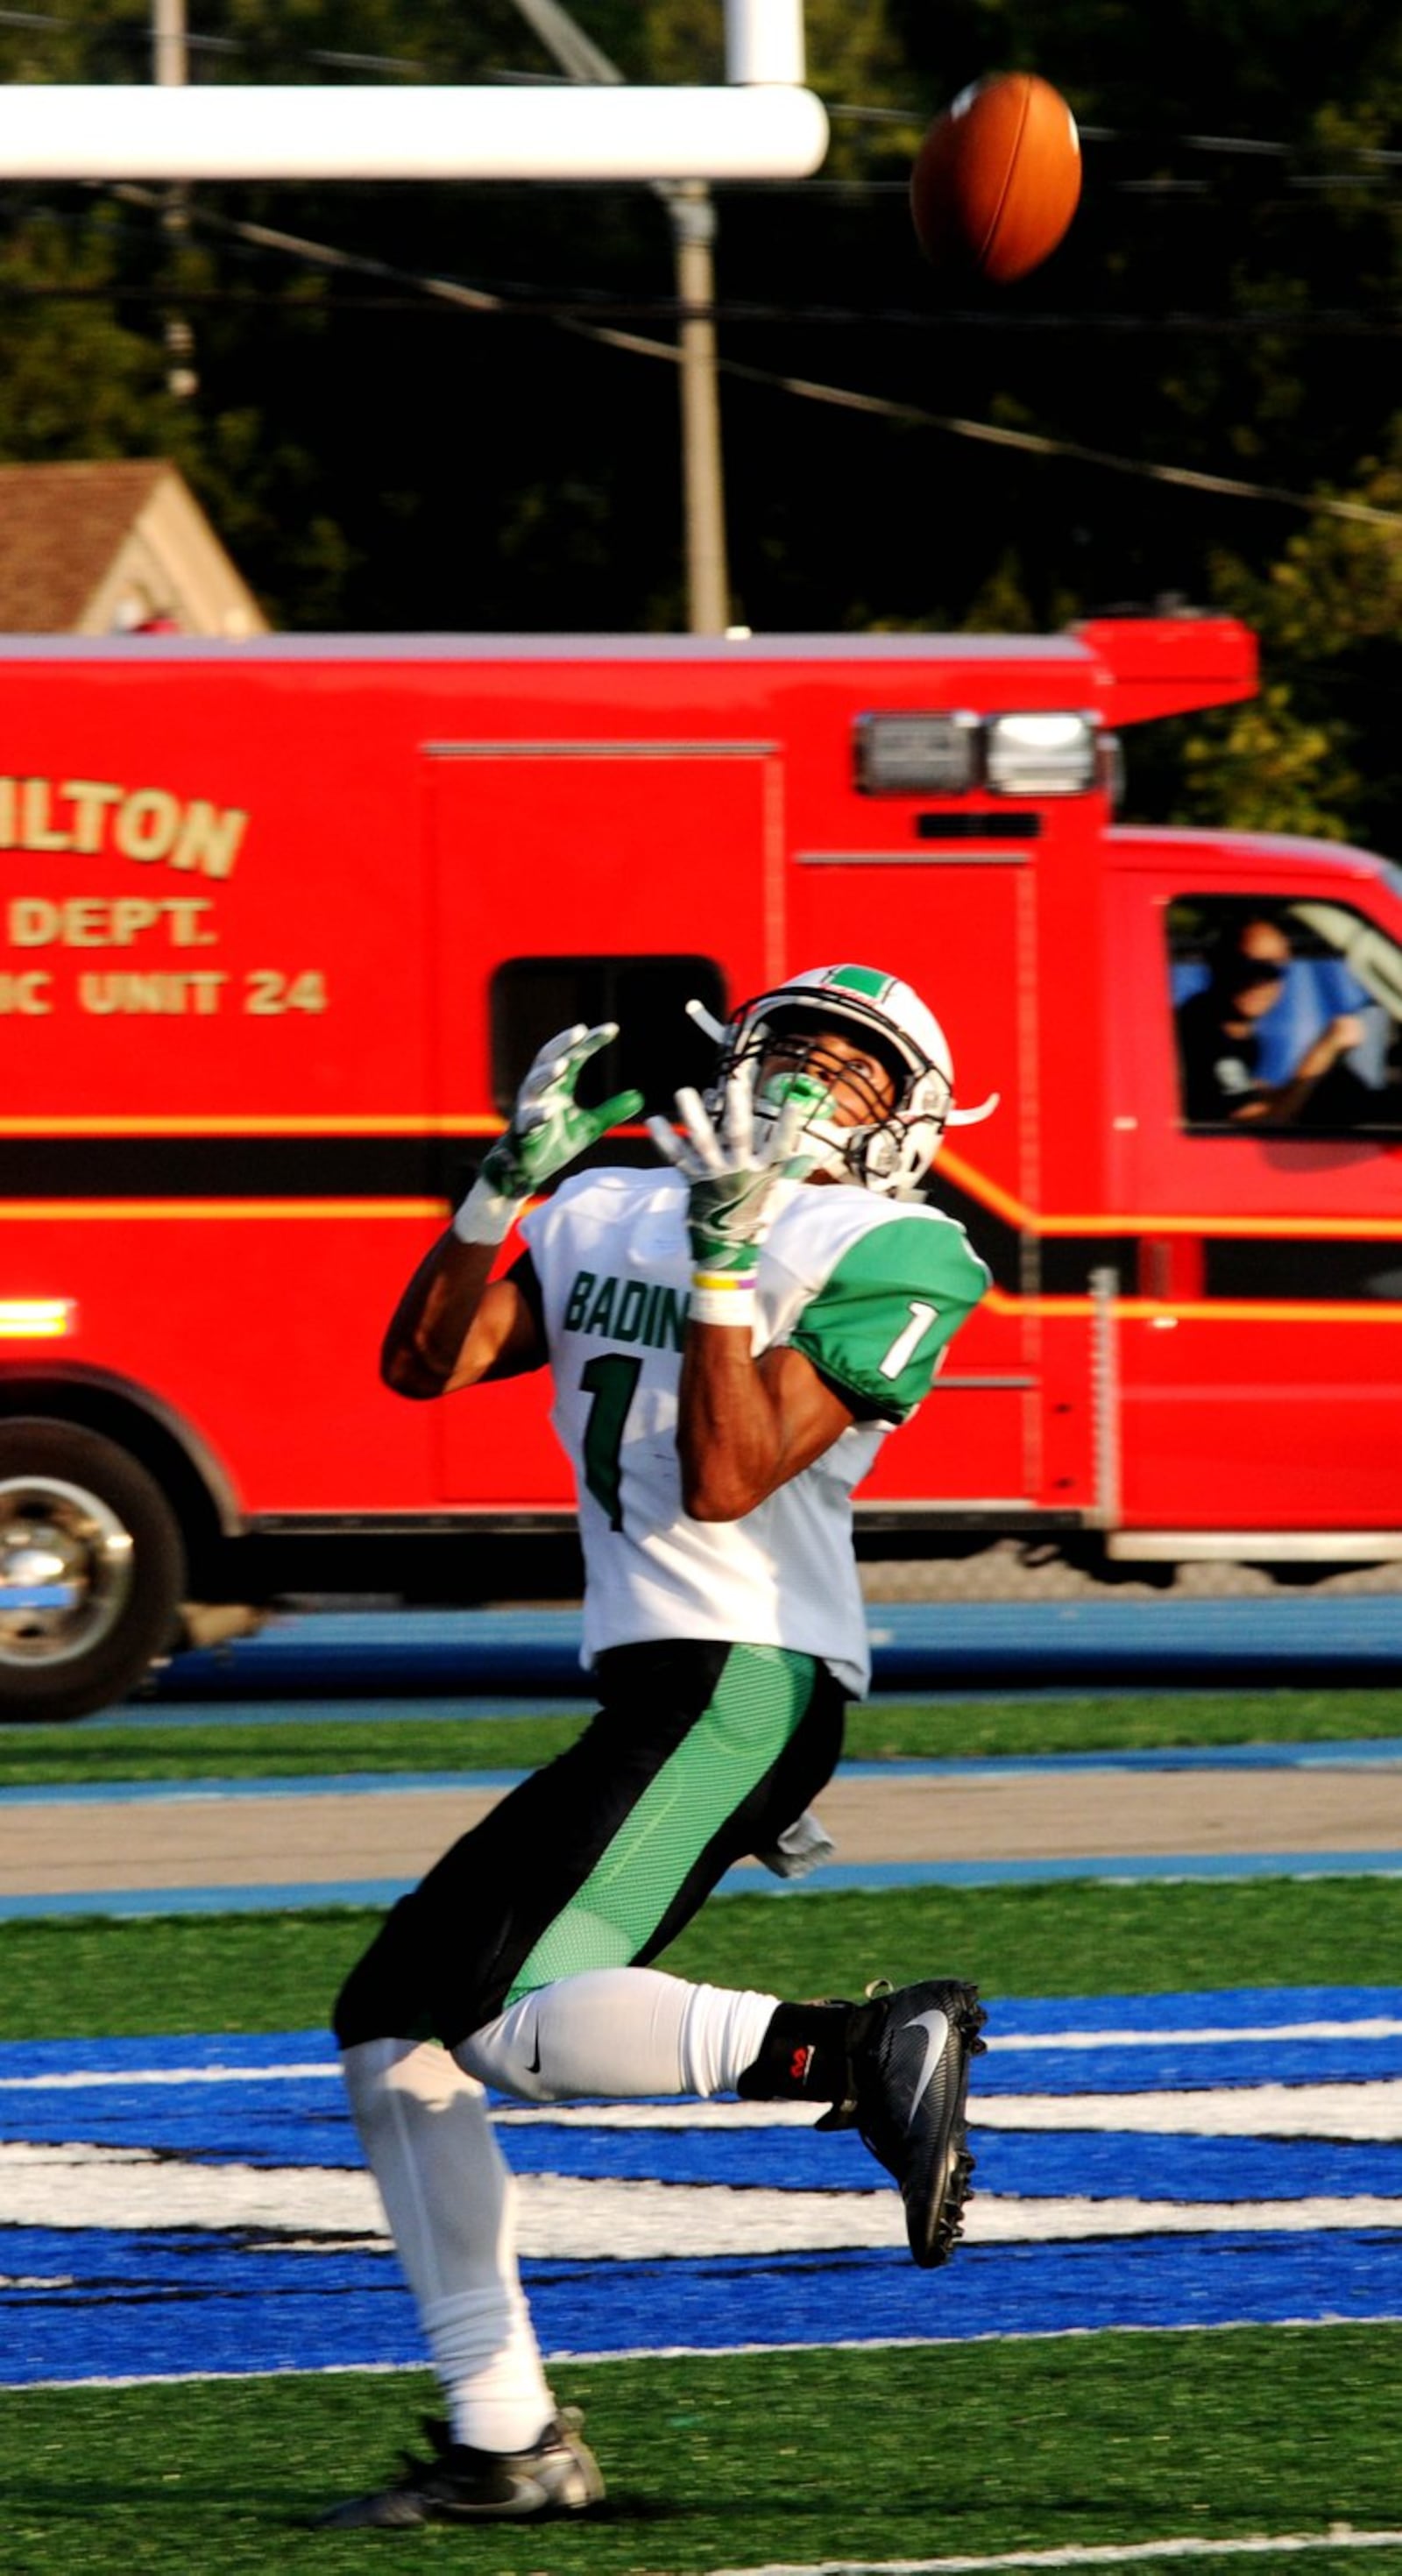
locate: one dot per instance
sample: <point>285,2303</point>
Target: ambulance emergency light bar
<point>950,754</point>
<point>763,124</point>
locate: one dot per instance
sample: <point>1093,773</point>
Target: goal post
<point>762,123</point>
<point>578,131</point>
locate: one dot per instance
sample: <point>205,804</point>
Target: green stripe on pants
<point>759,1703</point>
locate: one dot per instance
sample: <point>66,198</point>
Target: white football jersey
<point>871,1290</point>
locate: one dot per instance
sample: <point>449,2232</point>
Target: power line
<point>1031,443</point>
<point>516,303</point>
<point>802,388</point>
<point>518,300</point>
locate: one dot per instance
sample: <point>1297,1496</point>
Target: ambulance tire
<point>85,1522</point>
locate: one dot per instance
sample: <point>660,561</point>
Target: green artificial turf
<point>720,2462</point>
<point>71,1978</point>
<point>238,1747</point>
<point>451,1736</point>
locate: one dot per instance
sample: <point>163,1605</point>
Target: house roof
<point>84,548</point>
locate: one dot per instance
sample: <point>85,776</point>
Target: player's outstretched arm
<point>744,1426</point>
<point>455,1324</point>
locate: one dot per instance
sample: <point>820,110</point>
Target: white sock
<point>619,2032</point>
<point>450,2202</point>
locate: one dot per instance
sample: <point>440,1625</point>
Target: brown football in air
<point>997,179</point>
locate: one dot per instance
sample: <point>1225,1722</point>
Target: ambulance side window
<point>1287,1016</point>
<point>658,1048</point>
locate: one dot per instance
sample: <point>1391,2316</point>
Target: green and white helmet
<point>891,1152</point>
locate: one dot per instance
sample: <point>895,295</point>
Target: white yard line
<point>566,2217</point>
<point>1369,2110</point>
<point>86,2079</point>
<point>1226,2034</point>
<point>1104,2554</point>
<point>1043,2043</point>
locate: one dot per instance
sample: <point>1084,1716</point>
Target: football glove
<point>731,1181</point>
<point>546,1131</point>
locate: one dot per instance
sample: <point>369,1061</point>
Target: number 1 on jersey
<point>612,1382</point>
<point>906,1343</point>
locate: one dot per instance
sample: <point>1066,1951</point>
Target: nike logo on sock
<point>935,2025</point>
<point>534,2067</point>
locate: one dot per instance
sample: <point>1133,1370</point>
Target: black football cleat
<point>908,2055</point>
<point>557,2475</point>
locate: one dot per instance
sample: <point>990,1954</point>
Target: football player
<point>730,1338</point>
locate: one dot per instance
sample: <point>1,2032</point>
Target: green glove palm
<point>548,1128</point>
<point>546,1131</point>
<point>732,1176</point>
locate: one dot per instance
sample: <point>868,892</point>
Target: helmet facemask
<point>780,1041</point>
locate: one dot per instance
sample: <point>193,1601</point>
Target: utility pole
<point>691,210</point>
<point>691,213</point>
<point>172,70</point>
<point>168,31</point>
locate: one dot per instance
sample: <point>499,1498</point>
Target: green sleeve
<point>876,1327</point>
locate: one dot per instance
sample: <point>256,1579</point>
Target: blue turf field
<point>189,2205</point>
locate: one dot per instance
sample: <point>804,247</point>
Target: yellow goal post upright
<point>762,123</point>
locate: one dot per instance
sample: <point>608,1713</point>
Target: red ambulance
<point>285,920</point>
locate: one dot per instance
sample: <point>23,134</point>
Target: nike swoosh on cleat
<point>935,2025</point>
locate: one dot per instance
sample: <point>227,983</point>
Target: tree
<point>1318,753</point>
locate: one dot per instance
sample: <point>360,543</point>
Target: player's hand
<point>546,1131</point>
<point>732,1175</point>
<point>547,1128</point>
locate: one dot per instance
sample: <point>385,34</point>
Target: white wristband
<point>719,1297</point>
<point>485,1216</point>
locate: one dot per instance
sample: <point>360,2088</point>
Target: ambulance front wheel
<point>92,1570</point>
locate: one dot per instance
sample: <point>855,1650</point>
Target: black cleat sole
<point>934,2232</point>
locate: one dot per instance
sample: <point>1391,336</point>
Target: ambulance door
<point>962,931</point>
<point>1259,1351</point>
<point>579,881</point>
